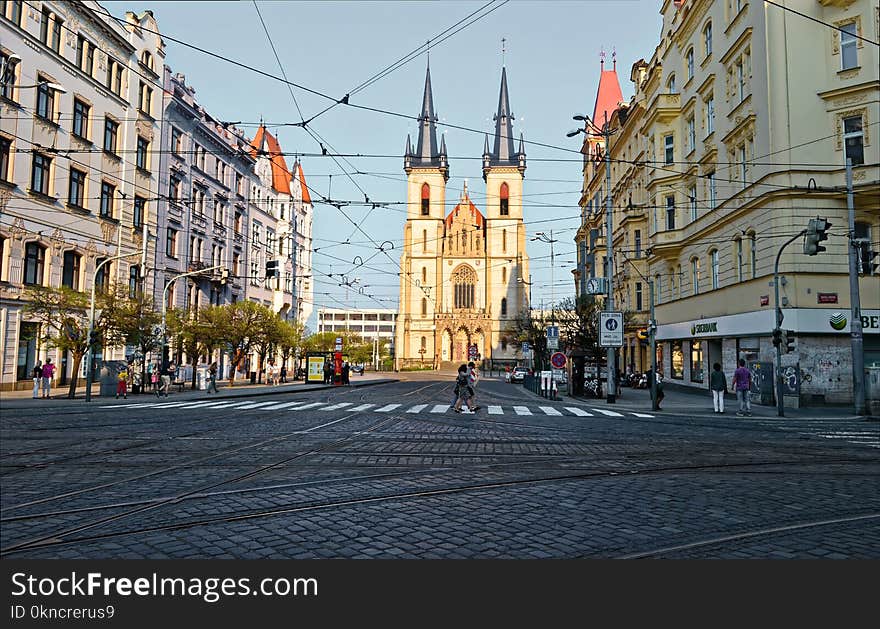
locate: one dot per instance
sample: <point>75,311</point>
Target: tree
<point>64,322</point>
<point>197,334</point>
<point>290,339</point>
<point>579,326</point>
<point>531,327</point>
<point>265,336</point>
<point>131,321</point>
<point>237,324</point>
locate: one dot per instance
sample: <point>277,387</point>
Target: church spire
<point>503,153</point>
<point>426,150</point>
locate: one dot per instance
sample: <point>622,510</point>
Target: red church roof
<point>608,97</point>
<point>280,174</point>
<point>306,197</point>
<point>468,206</point>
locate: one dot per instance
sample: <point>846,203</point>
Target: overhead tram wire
<point>818,21</point>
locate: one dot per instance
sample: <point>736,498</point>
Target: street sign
<point>338,343</point>
<point>525,348</point>
<point>610,329</point>
<point>558,360</point>
<point>552,337</point>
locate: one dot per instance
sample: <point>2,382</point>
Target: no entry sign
<point>558,360</point>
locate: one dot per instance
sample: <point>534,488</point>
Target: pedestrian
<point>463,390</point>
<point>659,378</point>
<point>270,374</point>
<point>212,378</point>
<point>718,385</point>
<point>742,380</point>
<point>346,373</point>
<point>154,377</point>
<point>284,373</point>
<point>473,377</point>
<point>122,384</point>
<point>328,372</point>
<point>47,374</point>
<point>164,380</point>
<point>37,375</point>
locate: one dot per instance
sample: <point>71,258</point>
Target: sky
<point>551,52</point>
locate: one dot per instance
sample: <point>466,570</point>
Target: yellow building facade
<point>750,113</point>
<point>459,289</point>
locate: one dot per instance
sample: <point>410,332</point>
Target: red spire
<point>609,95</point>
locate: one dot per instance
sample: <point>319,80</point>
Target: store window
<point>696,361</point>
<point>677,371</point>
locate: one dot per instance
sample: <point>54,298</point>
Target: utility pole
<point>165,304</point>
<point>855,322</point>
<point>652,331</point>
<point>777,331</point>
<point>611,357</point>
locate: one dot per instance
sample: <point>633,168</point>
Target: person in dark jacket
<point>718,386</point>
<point>463,390</point>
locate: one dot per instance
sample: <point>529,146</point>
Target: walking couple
<point>465,382</point>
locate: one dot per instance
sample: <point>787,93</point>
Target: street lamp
<point>165,302</point>
<point>8,64</point>
<point>541,236</point>
<point>590,128</point>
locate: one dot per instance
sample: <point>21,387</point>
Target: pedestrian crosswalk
<point>282,408</point>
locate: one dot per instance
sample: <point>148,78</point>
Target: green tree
<point>531,327</point>
<point>290,339</point>
<point>63,315</point>
<point>266,337</point>
<point>195,334</point>
<point>131,321</point>
<point>579,326</point>
<point>238,325</point>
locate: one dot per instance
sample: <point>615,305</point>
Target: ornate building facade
<point>459,285</point>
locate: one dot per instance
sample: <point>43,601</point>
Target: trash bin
<point>253,377</point>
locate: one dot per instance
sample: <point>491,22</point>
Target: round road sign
<point>558,360</point>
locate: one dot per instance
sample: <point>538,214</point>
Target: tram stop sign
<point>558,360</point>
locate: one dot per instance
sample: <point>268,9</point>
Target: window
<point>45,100</point>
<point>849,52</point>
<point>689,59</point>
<point>504,306</point>
<point>236,262</point>
<point>270,240</point>
<point>692,134</point>
<point>743,166</point>
<point>695,275</point>
<point>70,270</point>
<point>853,139</point>
<point>176,141</point>
<point>426,199</point>
<point>171,243</point>
<point>114,76</point>
<point>111,130</point>
<point>740,80</point>
<point>85,55</point>
<point>670,84</point>
<point>739,259</point>
<point>504,200</point>
<point>256,233</point>
<point>7,86</point>
<point>134,280</point>
<point>12,11</point>
<point>142,156</point>
<point>670,212</point>
<point>236,225</point>
<point>76,192</point>
<point>503,240</point>
<point>710,180</point>
<point>145,98</point>
<point>424,274</point>
<point>102,275</point>
<point>139,211</point>
<point>710,115</point>
<point>638,295</point>
<point>108,191</point>
<point>147,60</point>
<point>680,276</point>
<point>696,361</point>
<point>638,243</point>
<point>34,261</point>
<point>174,190</point>
<point>50,30</point>
<point>504,275</point>
<point>40,173</point>
<point>753,252</point>
<point>81,118</point>
<point>713,257</point>
<point>668,149</point>
<point>424,307</point>
<point>5,152</point>
<point>677,362</point>
<point>692,202</point>
<point>464,281</point>
<point>707,39</point>
<point>424,241</point>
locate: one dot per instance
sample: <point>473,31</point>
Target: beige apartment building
<point>749,114</point>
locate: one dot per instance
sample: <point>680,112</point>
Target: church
<point>463,274</point>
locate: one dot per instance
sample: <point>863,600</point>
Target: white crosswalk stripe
<point>226,404</point>
<point>334,407</point>
<point>609,413</point>
<point>387,408</point>
<point>495,410</point>
<point>641,414</point>
<point>578,411</point>
<point>251,405</point>
<point>417,408</point>
<point>282,405</point>
<point>362,407</point>
<point>312,405</point>
<point>549,410</point>
<point>440,408</point>
<point>522,410</point>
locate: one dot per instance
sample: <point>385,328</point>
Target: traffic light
<point>224,277</point>
<point>272,269</point>
<point>816,233</point>
<point>788,341</point>
<point>94,337</point>
<point>867,266</point>
<point>777,337</point>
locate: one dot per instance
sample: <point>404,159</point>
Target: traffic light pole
<point>652,330</point>
<point>611,356</point>
<point>780,409</point>
<point>90,354</point>
<point>855,320</point>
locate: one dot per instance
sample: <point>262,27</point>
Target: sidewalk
<point>24,399</point>
<point>681,400</point>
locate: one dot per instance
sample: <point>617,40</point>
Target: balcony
<point>198,221</point>
<point>175,210</point>
<point>196,265</point>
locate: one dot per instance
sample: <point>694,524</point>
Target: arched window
<point>689,61</point>
<point>504,200</point>
<point>695,275</point>
<point>424,342</point>
<point>738,247</point>
<point>424,241</point>
<point>424,307</point>
<point>707,39</point>
<point>464,281</point>
<point>503,240</point>
<point>426,199</point>
<point>504,306</point>
<point>753,253</point>
<point>424,274</point>
<point>670,84</point>
<point>147,60</point>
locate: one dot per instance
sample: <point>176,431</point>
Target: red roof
<point>306,197</point>
<point>466,205</point>
<point>608,97</point>
<point>280,174</point>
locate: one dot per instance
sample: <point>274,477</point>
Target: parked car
<point>358,369</point>
<point>518,374</point>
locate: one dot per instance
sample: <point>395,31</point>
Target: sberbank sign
<point>704,328</point>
